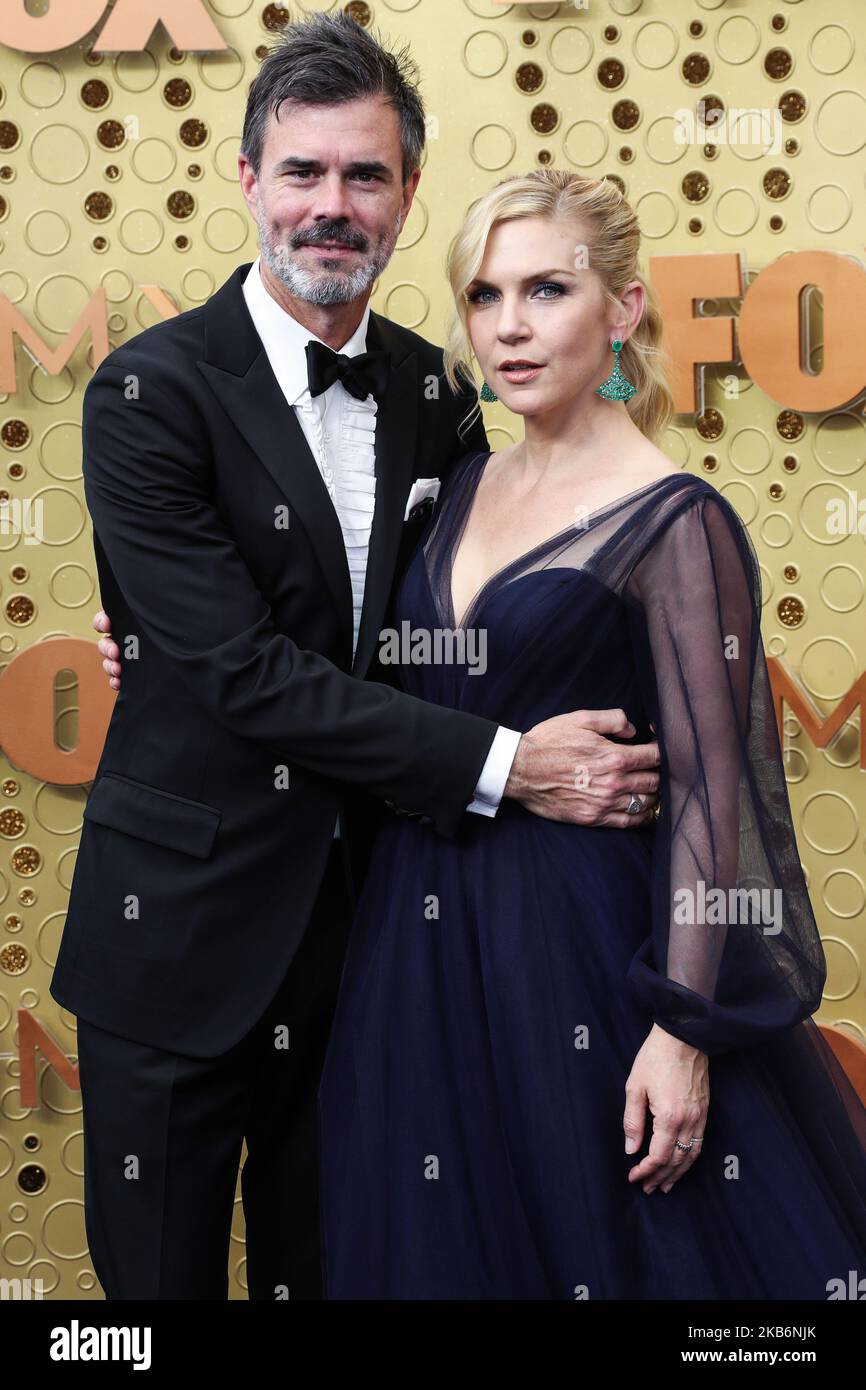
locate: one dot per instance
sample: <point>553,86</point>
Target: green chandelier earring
<point>487,394</point>
<point>617,387</point>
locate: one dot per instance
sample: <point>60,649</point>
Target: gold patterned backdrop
<point>118,172</point>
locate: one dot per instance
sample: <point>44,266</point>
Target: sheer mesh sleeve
<point>734,954</point>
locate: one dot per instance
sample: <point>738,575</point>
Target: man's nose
<point>331,199</point>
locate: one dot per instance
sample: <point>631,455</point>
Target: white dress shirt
<point>341,433</point>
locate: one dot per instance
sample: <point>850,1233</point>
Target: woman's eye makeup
<point>477,296</point>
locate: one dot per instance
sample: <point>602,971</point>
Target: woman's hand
<point>671,1078</point>
<point>109,649</point>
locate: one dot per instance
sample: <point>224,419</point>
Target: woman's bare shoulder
<point>650,464</point>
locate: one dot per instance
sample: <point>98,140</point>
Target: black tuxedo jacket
<point>198,865</point>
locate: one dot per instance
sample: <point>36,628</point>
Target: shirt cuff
<point>494,774</point>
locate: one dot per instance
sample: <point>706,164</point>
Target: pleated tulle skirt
<point>472,1099</point>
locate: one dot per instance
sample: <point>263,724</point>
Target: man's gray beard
<point>322,286</point>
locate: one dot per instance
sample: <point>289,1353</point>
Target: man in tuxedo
<point>249,469</point>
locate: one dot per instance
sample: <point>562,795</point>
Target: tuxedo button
<point>421,509</point>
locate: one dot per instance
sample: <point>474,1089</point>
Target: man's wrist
<point>517,783</point>
<point>490,787</point>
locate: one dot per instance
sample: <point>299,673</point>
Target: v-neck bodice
<point>476,466</point>
<point>551,630</point>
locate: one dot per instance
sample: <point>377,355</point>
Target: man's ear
<point>409,190</point>
<point>248,183</point>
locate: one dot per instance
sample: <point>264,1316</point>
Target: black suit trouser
<point>163,1135</point>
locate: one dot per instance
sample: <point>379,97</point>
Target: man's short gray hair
<point>326,60</point>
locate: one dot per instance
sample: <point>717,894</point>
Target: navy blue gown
<point>498,986</point>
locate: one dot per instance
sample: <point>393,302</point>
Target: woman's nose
<point>511,324</point>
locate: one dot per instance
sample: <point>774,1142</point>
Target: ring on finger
<point>635,805</point>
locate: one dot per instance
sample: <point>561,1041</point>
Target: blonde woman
<point>567,1063</point>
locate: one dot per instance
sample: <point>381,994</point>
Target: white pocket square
<point>421,488</point>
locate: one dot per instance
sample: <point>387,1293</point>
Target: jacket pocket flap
<point>151,814</point>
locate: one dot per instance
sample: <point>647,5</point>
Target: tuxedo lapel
<point>236,368</point>
<point>396,439</point>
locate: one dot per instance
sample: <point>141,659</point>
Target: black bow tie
<point>366,374</point>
